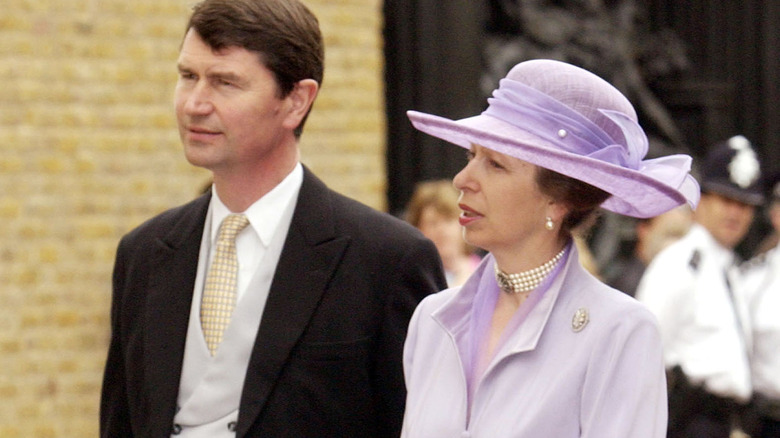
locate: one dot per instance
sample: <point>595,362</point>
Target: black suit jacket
<point>327,361</point>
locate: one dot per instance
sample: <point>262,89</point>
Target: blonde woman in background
<point>433,209</point>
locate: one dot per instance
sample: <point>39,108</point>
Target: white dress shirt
<point>264,221</point>
<point>685,286</point>
<point>763,289</point>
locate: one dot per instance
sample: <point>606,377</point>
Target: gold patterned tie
<point>219,293</point>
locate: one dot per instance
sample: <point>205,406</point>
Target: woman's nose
<point>463,180</point>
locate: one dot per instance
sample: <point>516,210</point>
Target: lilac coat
<point>547,380</point>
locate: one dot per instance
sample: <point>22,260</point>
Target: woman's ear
<point>299,101</point>
<point>557,211</point>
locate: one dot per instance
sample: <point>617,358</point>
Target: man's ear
<point>299,101</point>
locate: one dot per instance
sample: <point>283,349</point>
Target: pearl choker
<point>528,280</point>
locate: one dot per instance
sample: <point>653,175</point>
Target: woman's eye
<point>496,164</point>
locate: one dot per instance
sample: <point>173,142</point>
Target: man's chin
<point>198,156</point>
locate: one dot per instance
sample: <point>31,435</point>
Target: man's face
<point>659,232</point>
<point>229,112</point>
<point>726,219</point>
<point>774,215</point>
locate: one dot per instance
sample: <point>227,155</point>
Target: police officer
<point>763,288</point>
<point>692,287</point>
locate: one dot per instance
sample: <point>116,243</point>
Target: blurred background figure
<point>587,259</point>
<point>693,288</point>
<point>762,286</point>
<point>651,236</point>
<point>771,239</point>
<point>433,209</point>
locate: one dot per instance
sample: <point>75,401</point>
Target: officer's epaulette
<point>695,259</point>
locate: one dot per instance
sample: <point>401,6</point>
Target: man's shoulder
<point>359,219</point>
<point>685,251</point>
<point>161,224</point>
<point>354,217</point>
<point>679,264</point>
<point>348,207</point>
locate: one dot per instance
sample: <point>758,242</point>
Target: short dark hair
<point>284,33</point>
<point>582,198</point>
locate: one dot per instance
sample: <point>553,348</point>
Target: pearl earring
<point>549,224</point>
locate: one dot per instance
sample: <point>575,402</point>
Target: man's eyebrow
<point>226,75</point>
<point>216,74</point>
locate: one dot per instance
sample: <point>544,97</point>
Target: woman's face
<point>444,230</point>
<point>502,206</point>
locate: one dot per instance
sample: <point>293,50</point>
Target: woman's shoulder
<point>434,301</point>
<point>605,302</point>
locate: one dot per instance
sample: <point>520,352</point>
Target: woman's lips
<point>468,215</point>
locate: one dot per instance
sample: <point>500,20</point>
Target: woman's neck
<point>530,257</point>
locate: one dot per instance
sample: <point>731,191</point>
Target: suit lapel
<point>173,270</point>
<point>311,254</point>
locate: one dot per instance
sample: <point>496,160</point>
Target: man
<point>652,235</point>
<point>763,289</point>
<point>692,289</point>
<point>300,334</point>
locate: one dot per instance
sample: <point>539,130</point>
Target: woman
<point>433,209</point>
<point>532,345</point>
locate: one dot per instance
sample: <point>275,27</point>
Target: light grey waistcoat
<point>210,387</point>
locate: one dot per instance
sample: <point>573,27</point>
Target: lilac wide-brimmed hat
<point>566,119</point>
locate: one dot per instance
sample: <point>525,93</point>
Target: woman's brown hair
<point>582,199</point>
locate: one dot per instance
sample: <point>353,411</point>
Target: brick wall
<point>90,149</point>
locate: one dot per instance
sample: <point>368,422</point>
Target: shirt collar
<point>263,214</point>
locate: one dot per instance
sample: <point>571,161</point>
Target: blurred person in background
<point>651,236</point>
<point>433,209</point>
<point>693,287</point>
<point>763,293</point>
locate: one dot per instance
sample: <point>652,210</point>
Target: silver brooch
<point>580,319</point>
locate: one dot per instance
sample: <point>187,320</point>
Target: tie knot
<point>231,226</point>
